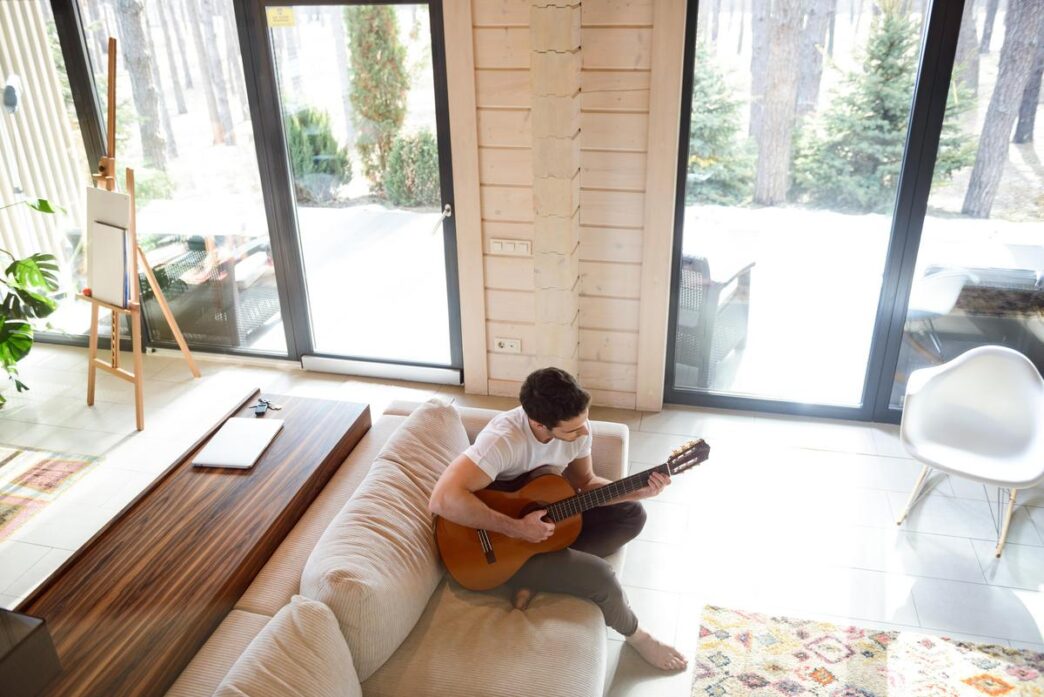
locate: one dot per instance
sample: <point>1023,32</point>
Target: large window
<point>801,174</point>
<point>183,124</point>
<point>42,152</point>
<point>979,277</point>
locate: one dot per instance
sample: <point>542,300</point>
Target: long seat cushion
<point>299,653</point>
<point>470,644</point>
<point>376,565</point>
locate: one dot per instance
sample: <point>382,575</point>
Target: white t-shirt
<point>506,448</point>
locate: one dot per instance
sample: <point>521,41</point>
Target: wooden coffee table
<point>129,611</point>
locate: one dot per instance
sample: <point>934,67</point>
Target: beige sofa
<point>463,643</point>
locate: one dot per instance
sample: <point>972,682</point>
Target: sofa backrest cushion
<point>300,653</point>
<point>376,565</point>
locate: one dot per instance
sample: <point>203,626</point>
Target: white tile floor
<point>788,515</point>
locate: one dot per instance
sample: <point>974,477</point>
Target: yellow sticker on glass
<point>280,16</point>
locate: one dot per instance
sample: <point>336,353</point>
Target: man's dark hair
<point>551,395</point>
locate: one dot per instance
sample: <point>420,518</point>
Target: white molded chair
<point>933,296</point>
<point>980,416</point>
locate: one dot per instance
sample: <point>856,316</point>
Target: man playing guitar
<point>551,428</point>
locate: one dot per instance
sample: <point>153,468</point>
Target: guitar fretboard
<point>575,505</point>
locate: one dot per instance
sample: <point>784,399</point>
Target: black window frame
<point>931,88</point>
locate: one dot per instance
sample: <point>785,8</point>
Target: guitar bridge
<point>487,547</point>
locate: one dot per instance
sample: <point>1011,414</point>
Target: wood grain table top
<point>130,610</point>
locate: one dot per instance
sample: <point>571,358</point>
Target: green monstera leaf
<point>26,289</point>
<point>39,270</point>
<point>29,281</point>
<point>16,339</point>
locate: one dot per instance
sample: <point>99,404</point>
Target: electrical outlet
<point>508,345</point>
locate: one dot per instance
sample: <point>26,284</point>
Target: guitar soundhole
<point>533,506</point>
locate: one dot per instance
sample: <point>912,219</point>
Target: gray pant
<point>580,569</point>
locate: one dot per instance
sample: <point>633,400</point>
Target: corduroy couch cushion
<point>376,565</point>
<point>300,653</point>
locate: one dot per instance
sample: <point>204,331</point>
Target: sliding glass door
<point>184,125</point>
<point>360,90</point>
<point>812,132</point>
<point>979,272</point>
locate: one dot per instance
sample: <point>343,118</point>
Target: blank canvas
<point>107,264</point>
<point>108,255</point>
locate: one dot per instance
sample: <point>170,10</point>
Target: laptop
<point>238,443</point>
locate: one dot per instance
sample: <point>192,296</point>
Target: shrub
<point>320,165</point>
<point>412,177</point>
<point>719,168</point>
<point>379,84</point>
<point>850,159</point>
<point>152,185</point>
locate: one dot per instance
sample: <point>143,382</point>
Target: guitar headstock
<point>688,455</point>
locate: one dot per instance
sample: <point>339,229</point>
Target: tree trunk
<point>210,70</point>
<point>1022,26</point>
<point>96,27</point>
<point>1030,99</point>
<point>987,27</point>
<point>335,16</point>
<point>775,134</point>
<point>759,52</point>
<point>830,31</point>
<point>168,129</point>
<point>966,63</point>
<point>176,19</point>
<point>743,25</point>
<point>716,22</point>
<point>138,63</point>
<point>232,56</point>
<point>179,95</point>
<point>813,46</point>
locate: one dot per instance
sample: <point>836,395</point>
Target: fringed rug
<point>743,653</point>
<point>30,479</point>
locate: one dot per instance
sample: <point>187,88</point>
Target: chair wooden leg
<point>1007,524</point>
<point>915,493</point>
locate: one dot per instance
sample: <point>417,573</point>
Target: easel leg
<point>115,343</point>
<point>168,315</point>
<point>139,378</point>
<point>92,355</point>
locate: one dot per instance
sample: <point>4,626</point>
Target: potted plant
<point>27,289</point>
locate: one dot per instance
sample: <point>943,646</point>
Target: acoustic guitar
<point>480,559</point>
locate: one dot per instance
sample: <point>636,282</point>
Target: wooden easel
<point>106,178</point>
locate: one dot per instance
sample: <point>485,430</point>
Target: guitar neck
<point>575,505</point>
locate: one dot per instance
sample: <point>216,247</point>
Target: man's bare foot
<point>655,652</point>
<point>522,598</point>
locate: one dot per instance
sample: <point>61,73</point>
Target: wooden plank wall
<point>616,38</point>
<point>616,43</point>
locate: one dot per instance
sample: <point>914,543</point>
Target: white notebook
<point>239,442</point>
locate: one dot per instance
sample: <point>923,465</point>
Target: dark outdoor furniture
<point>212,305</point>
<point>996,306</point>
<point>712,316</point>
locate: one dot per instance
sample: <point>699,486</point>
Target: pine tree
<point>320,165</point>
<point>850,159</point>
<point>379,85</point>
<point>719,168</point>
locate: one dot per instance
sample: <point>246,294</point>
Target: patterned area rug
<point>742,653</point>
<point>31,479</point>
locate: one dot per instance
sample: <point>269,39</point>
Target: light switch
<point>515,248</point>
